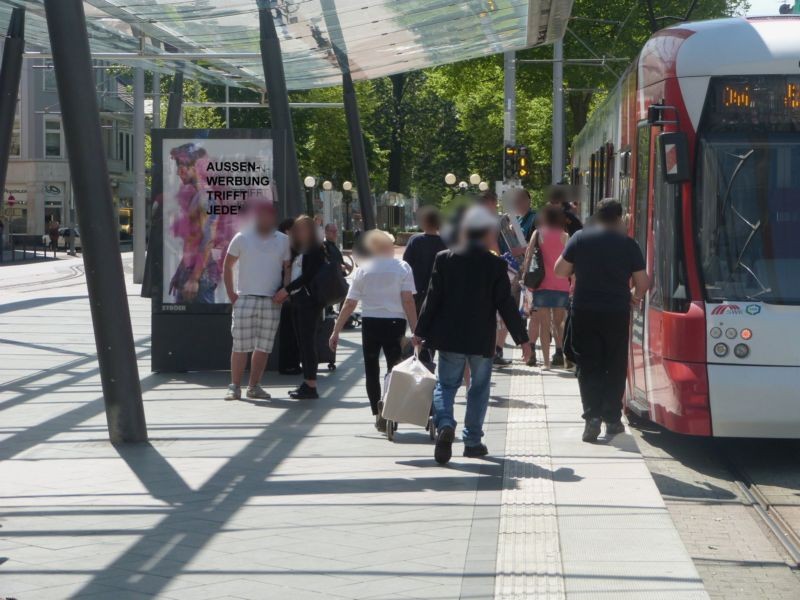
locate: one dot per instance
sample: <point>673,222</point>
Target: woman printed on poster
<point>195,279</point>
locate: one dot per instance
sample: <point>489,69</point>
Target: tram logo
<point>752,309</point>
<point>727,309</point>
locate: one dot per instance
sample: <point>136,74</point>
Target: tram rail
<point>754,496</point>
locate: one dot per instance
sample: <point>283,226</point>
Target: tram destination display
<point>755,100</point>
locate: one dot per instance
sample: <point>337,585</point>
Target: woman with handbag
<point>385,288</point>
<point>550,292</point>
<point>306,309</point>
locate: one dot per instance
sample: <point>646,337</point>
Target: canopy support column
<point>557,170</point>
<point>10,72</point>
<point>286,172</point>
<point>105,279</point>
<point>155,243</point>
<point>175,104</point>
<point>139,217</point>
<point>357,150</point>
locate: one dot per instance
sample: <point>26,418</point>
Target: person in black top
<point>558,195</point>
<point>422,249</point>
<point>288,351</point>
<point>468,287</point>
<point>604,260</point>
<point>334,254</point>
<point>331,245</point>
<point>306,311</point>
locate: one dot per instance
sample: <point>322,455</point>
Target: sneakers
<point>256,392</point>
<point>498,360</point>
<point>444,445</point>
<point>591,431</point>
<point>613,429</point>
<point>558,359</point>
<point>234,392</point>
<point>380,422</point>
<point>304,392</point>
<point>476,451</point>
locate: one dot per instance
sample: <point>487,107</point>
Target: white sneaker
<point>257,392</point>
<point>234,392</point>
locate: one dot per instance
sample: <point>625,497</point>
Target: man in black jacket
<point>468,287</point>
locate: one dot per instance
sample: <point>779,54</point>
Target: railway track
<point>781,526</point>
<point>75,272</point>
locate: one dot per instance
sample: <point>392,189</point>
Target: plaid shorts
<point>255,323</point>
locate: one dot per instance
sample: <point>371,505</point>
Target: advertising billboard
<point>207,183</point>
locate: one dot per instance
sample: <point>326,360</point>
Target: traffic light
<point>523,162</point>
<point>510,163</point>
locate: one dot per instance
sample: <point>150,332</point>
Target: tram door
<point>638,347</point>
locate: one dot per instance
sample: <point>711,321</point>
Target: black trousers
<point>307,317</point>
<point>600,347</point>
<point>377,335</point>
<point>288,351</point>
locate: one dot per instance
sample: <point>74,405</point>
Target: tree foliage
<point>421,125</point>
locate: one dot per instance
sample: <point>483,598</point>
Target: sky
<point>765,7</point>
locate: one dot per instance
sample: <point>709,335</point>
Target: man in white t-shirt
<point>263,255</point>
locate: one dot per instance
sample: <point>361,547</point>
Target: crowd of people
<point>459,293</point>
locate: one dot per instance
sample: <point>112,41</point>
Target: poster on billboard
<point>208,180</point>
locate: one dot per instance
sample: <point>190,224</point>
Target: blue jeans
<point>449,378</point>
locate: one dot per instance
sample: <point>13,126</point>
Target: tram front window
<point>748,216</point>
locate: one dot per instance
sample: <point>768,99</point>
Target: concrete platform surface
<point>288,499</point>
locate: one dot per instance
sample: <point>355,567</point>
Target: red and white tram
<point>700,140</point>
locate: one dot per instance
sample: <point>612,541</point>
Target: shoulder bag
<point>535,274</point>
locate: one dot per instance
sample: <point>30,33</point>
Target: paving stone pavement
<point>285,499</point>
<point>735,556</point>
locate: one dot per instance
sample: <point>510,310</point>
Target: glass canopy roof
<point>379,37</point>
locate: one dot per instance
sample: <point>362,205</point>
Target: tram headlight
<point>715,333</point>
<point>721,349</point>
<point>741,350</point>
<point>746,334</point>
<point>731,333</point>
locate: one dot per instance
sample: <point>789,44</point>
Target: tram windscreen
<point>748,189</point>
<point>748,216</point>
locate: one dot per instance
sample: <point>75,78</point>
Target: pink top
<point>552,247</point>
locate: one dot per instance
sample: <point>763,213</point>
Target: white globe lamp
<point>309,182</point>
<point>450,179</point>
<point>474,179</point>
<point>483,186</point>
<point>347,186</point>
<point>327,185</point>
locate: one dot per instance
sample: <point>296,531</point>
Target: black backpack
<point>329,285</point>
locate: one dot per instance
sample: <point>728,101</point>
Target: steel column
<point>358,151</point>
<point>557,168</point>
<point>156,100</point>
<point>105,279</point>
<point>286,172</point>
<point>510,98</point>
<point>175,103</point>
<point>10,72</point>
<point>155,242</point>
<point>139,210</point>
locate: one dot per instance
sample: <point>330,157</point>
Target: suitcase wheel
<point>431,429</point>
<point>391,427</point>
<point>331,366</point>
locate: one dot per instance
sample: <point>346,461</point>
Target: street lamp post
<point>475,183</point>
<point>310,183</point>
<point>347,186</point>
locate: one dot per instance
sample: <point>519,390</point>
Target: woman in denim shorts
<point>551,298</point>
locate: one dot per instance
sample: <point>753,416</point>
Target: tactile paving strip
<point>528,552</point>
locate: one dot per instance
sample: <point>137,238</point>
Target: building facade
<point>38,172</point>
